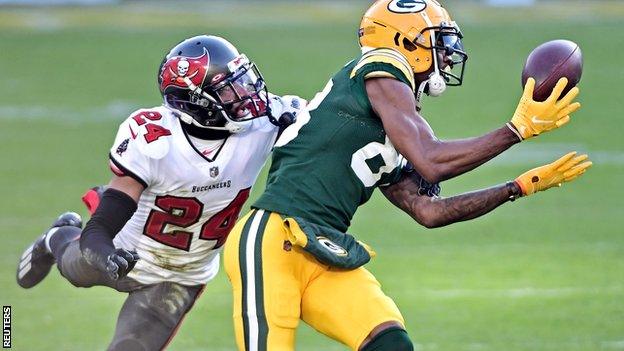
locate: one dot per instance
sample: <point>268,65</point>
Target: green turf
<point>545,273</point>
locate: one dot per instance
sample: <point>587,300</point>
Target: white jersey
<point>191,201</point>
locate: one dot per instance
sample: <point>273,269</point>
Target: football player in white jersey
<point>182,172</point>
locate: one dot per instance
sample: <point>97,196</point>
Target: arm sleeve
<point>96,241</point>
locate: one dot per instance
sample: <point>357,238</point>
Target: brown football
<point>551,61</point>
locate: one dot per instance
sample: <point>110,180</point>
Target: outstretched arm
<point>437,160</point>
<point>434,211</point>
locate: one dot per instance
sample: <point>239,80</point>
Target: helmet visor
<point>243,96</point>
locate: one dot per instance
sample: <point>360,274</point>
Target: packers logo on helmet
<point>407,6</point>
<point>423,32</point>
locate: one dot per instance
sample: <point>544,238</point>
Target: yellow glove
<point>545,177</point>
<point>534,117</point>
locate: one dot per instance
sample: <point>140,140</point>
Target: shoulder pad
<point>385,63</point>
<point>150,130</point>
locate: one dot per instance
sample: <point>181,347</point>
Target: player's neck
<point>204,133</point>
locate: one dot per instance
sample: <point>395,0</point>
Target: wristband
<point>514,130</point>
<point>513,190</point>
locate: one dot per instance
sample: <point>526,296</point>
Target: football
<point>551,61</point>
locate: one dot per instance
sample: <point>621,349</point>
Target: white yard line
<point>497,248</point>
<point>613,345</point>
<point>115,110</point>
<point>528,345</point>
<point>515,293</point>
<point>547,152</point>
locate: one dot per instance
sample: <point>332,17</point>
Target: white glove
<point>284,109</point>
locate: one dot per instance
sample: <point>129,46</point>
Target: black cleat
<point>36,262</point>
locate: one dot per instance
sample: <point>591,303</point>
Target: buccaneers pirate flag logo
<point>177,68</point>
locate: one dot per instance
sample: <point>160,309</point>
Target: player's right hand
<point>284,109</point>
<point>534,117</point>
<point>565,169</point>
<point>120,263</point>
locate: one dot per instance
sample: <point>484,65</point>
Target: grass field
<point>544,273</point>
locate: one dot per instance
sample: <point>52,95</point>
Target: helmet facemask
<point>447,51</point>
<point>448,58</point>
<point>243,95</point>
<point>449,54</point>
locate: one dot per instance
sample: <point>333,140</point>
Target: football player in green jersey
<point>290,258</point>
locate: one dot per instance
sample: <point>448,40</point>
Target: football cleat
<point>37,260</point>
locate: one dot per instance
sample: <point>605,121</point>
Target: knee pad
<point>392,339</point>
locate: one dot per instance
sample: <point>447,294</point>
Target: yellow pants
<point>276,284</point>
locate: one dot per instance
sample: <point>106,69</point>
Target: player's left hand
<point>120,263</point>
<point>534,117</point>
<point>565,169</point>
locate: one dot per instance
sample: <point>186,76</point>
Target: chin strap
<point>437,84</point>
<point>434,87</point>
<point>230,126</point>
<point>419,93</point>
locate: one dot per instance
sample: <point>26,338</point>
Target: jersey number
<point>154,131</point>
<point>186,211</point>
<point>382,157</point>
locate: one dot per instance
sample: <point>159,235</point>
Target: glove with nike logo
<point>534,117</point>
<point>565,169</point>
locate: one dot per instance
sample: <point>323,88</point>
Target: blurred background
<point>544,273</point>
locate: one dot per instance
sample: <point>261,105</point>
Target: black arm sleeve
<point>96,241</point>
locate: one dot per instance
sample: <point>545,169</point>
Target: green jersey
<point>331,159</point>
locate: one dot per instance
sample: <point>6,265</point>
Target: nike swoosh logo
<point>536,120</point>
<point>132,133</point>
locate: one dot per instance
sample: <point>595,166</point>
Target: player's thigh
<point>347,305</point>
<point>231,251</point>
<point>150,316</point>
<point>267,277</point>
<point>232,259</point>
